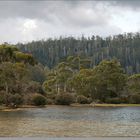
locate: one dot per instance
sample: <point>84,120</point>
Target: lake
<point>67,121</point>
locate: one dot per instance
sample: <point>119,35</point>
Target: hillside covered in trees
<point>124,47</point>
<point>23,80</point>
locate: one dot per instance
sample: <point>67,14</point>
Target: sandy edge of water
<point>106,105</point>
<point>4,108</point>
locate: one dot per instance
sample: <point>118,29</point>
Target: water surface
<point>59,121</point>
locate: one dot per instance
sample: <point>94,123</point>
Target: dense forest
<point>23,80</point>
<point>124,47</point>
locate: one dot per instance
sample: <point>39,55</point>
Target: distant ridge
<point>124,47</point>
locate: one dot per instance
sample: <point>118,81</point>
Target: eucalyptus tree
<point>134,84</point>
<point>110,78</point>
<point>7,53</point>
<point>105,80</point>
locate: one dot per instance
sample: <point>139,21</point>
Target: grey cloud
<point>134,4</point>
<point>60,17</point>
<point>22,9</point>
<point>71,13</point>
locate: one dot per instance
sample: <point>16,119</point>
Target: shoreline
<point>5,108</point>
<point>106,105</point>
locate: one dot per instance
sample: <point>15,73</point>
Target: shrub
<point>113,100</point>
<point>2,97</point>
<point>64,99</point>
<point>82,99</point>
<point>39,100</point>
<point>13,100</point>
<point>90,100</point>
<point>134,99</point>
<point>17,99</point>
<point>50,102</point>
<point>124,100</point>
<point>97,101</point>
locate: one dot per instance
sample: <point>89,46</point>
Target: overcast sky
<point>22,21</point>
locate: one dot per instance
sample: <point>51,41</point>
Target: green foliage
<point>63,75</point>
<point>7,53</point>
<point>39,100</point>
<point>37,73</point>
<point>83,83</point>
<point>16,99</point>
<point>13,76</point>
<point>17,78</point>
<point>117,100</point>
<point>13,100</point>
<point>110,78</point>
<point>2,97</point>
<point>106,82</point>
<point>82,99</point>
<point>134,99</point>
<point>32,87</point>
<point>113,101</point>
<point>134,84</point>
<point>64,99</point>
<point>50,101</point>
<point>49,86</point>
<point>25,58</point>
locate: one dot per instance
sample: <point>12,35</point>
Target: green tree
<point>12,76</point>
<point>110,78</point>
<point>84,83</point>
<point>134,84</point>
<point>25,58</point>
<point>64,74</point>
<point>7,53</point>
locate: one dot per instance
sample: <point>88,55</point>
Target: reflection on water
<point>59,121</point>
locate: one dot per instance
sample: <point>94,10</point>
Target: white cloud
<point>29,24</point>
